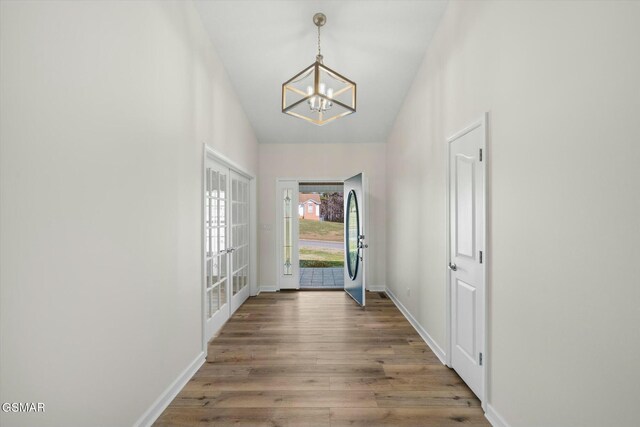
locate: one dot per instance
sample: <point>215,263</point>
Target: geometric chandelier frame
<point>319,94</point>
<point>317,68</point>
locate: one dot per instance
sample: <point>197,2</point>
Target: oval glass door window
<point>353,228</point>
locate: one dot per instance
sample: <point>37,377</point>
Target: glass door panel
<point>240,239</point>
<point>216,225</point>
<point>287,234</point>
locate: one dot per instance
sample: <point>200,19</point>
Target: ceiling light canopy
<point>318,94</point>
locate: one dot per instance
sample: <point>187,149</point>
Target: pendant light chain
<point>319,50</point>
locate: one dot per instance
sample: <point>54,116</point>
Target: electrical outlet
<point>408,292</point>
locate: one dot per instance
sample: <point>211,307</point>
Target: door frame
<point>279,225</point>
<point>210,153</point>
<point>482,122</point>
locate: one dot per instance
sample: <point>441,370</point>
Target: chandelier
<point>318,94</point>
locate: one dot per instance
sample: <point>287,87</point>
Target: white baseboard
<point>161,403</point>
<point>494,418</point>
<point>437,350</point>
<point>372,288</point>
<point>265,288</point>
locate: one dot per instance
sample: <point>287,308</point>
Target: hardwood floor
<point>313,359</point>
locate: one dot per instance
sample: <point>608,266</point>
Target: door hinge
<point>481,154</point>
<point>480,359</point>
<point>480,257</point>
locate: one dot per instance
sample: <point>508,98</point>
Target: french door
<point>227,244</point>
<point>217,252</point>
<point>467,256</point>
<point>354,239</point>
<point>239,249</point>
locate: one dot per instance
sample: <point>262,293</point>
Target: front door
<point>354,239</point>
<point>467,254</point>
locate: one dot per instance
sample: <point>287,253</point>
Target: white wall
<point>321,161</point>
<point>105,106</point>
<point>560,80</point>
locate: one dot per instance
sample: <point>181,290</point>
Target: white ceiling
<point>376,43</point>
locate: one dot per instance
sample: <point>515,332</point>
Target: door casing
<point>483,124</point>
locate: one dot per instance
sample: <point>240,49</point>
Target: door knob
<point>453,267</point>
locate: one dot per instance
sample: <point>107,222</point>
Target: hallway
<point>316,359</point>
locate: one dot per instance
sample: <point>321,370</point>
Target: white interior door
<point>216,253</point>
<point>467,254</point>
<point>354,238</point>
<point>239,237</point>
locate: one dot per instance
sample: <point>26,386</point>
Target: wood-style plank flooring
<point>313,359</point>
